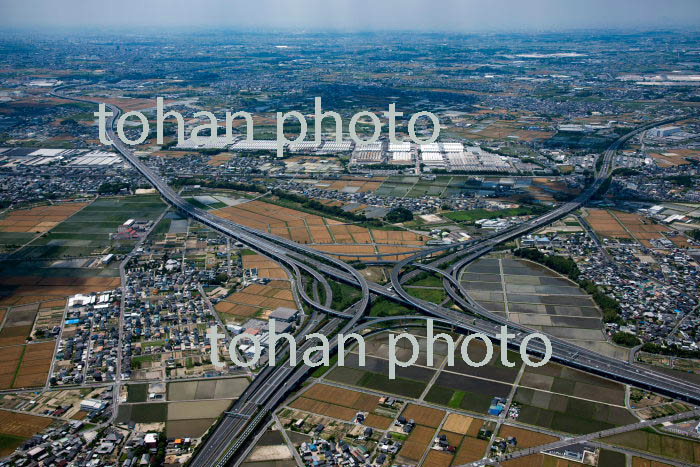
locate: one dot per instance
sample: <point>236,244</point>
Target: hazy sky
<point>437,15</point>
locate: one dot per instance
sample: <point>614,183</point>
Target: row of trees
<point>671,351</point>
<point>563,265</point>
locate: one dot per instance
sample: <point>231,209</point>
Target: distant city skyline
<point>358,15</point>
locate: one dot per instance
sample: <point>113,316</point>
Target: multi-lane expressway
<point>272,384</point>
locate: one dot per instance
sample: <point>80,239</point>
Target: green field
<point>163,227</point>
<point>10,241</point>
<point>383,307</point>
<point>8,443</point>
<point>425,279</point>
<point>465,400</point>
<point>429,295</point>
<point>143,413</point>
<point>344,295</point>
<point>137,393</point>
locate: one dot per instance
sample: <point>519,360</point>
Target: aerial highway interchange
<point>272,385</point>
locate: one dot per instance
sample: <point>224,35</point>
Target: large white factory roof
<point>401,156</point>
<point>404,146</point>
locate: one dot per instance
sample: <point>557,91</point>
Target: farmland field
<point>380,365</point>
<point>470,450</point>
<point>476,214</point>
<point>137,392</point>
<point>439,458</point>
<point>257,300</point>
<point>206,389</point>
<point>399,386</point>
<point>188,428</point>
<point>424,415</point>
<point>342,404</point>
<point>36,362</point>
<point>16,427</point>
<point>324,408</point>
<point>568,414</point>
<point>87,231</point>
<point>567,381</point>
<point>143,413</point>
<point>25,365</point>
<point>267,268</point>
<point>325,234</point>
<point>39,219</point>
<point>616,224</point>
<point>639,462</point>
<point>418,441</point>
<point>534,296</point>
<point>354,399</point>
<point>197,409</point>
<point>526,438</point>
<point>608,458</point>
<point>672,447</point>
<point>52,284</point>
<point>457,423</point>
